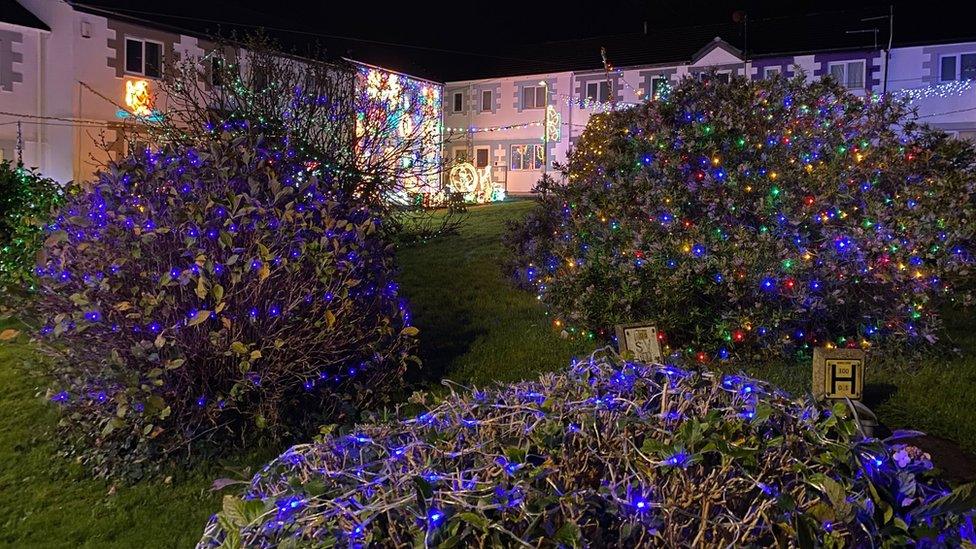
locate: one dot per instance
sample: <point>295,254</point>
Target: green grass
<point>475,329</point>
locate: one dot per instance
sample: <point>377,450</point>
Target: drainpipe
<point>40,131</point>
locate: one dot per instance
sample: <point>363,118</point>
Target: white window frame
<point>490,105</point>
<point>957,73</point>
<point>143,42</point>
<point>846,82</point>
<point>535,97</point>
<point>769,72</point>
<point>598,87</point>
<point>529,147</point>
<point>454,102</point>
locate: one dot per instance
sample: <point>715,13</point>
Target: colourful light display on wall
<point>401,108</point>
<point>138,98</point>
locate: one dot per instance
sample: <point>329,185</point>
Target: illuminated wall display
<point>402,108</point>
<point>137,96</point>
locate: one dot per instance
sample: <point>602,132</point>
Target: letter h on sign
<point>838,373</point>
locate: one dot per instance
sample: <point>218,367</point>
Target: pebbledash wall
<point>495,121</point>
<point>67,86</point>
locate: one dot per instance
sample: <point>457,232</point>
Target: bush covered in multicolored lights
<point>756,217</point>
<point>607,454</point>
<point>208,296</point>
<point>26,203</point>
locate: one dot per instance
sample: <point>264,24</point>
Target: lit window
<point>849,74</point>
<point>529,156</point>
<point>486,101</point>
<point>598,92</point>
<point>143,57</point>
<point>957,67</point>
<point>533,97</point>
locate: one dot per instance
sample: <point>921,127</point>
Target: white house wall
<point>951,106</point>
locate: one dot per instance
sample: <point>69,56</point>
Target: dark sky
<point>439,37</point>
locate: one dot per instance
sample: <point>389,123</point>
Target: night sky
<point>461,39</point>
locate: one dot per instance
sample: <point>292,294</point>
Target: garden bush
<point>755,218</point>
<point>27,201</point>
<point>606,454</point>
<point>205,297</point>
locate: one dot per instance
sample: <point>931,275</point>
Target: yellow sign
<point>137,97</point>
<point>838,373</point>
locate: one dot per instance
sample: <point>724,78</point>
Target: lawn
<point>475,329</point>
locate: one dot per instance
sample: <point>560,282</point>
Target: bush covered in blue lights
<point>606,454</point>
<point>197,297</point>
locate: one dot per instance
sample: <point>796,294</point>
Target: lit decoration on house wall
<point>944,90</point>
<point>554,122</point>
<point>476,184</point>
<point>399,108</point>
<point>138,98</point>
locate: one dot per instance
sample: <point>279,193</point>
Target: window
<point>143,57</point>
<point>486,101</point>
<point>598,91</point>
<point>461,154</point>
<point>771,72</point>
<point>849,73</point>
<point>458,102</point>
<point>528,157</point>
<point>658,84</point>
<point>957,67</point>
<point>481,155</point>
<point>216,73</point>
<point>533,97</point>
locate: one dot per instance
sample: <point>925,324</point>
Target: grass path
<point>475,329</point>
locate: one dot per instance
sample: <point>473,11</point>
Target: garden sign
<point>838,373</point>
<point>640,341</point>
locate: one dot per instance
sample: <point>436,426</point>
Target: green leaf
<point>238,348</point>
<point>198,318</point>
<point>569,534</point>
<point>474,519</point>
<point>960,500</point>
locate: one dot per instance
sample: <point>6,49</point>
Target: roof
<point>13,13</point>
<point>769,37</point>
<point>851,29</point>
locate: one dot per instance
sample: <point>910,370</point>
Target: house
<point>503,124</point>
<point>74,78</point>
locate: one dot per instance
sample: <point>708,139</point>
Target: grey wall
<point>7,59</point>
